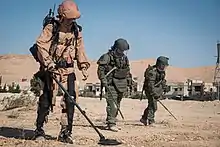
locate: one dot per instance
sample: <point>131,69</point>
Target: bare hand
<point>85,74</point>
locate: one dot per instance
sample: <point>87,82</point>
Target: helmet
<point>69,10</point>
<point>162,62</point>
<point>121,44</point>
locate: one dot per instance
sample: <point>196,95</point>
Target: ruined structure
<point>91,90</point>
<point>191,89</point>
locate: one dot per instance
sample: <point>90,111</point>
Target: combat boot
<point>143,121</point>
<point>39,134</point>
<point>151,123</point>
<point>65,136</point>
<point>113,128</point>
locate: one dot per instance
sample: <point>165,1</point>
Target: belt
<point>69,65</point>
<point>64,64</point>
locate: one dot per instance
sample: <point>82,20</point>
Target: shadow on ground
<point>19,133</point>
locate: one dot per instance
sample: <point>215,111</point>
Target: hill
<point>16,67</point>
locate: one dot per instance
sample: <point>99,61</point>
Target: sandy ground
<point>198,125</point>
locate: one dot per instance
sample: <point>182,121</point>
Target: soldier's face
<point>67,21</point>
<point>162,67</point>
<point>119,52</point>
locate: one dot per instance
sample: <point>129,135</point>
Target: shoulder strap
<point>149,68</point>
<point>126,60</point>
<point>76,29</point>
<point>55,35</point>
<point>112,60</point>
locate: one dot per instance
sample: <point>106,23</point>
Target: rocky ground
<point>198,125</point>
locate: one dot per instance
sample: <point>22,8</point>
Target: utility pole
<point>217,71</point>
<point>0,80</point>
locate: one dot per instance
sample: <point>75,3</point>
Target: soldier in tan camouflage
<point>58,46</point>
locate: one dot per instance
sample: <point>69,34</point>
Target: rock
<point>14,114</point>
<point>17,100</point>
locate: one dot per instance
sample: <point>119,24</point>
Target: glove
<point>51,66</point>
<point>85,74</point>
<point>156,97</point>
<point>104,82</point>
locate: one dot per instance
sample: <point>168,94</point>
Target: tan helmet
<point>69,10</point>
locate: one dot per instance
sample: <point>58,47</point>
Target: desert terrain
<point>197,125</point>
<point>18,67</point>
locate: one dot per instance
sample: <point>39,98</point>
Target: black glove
<point>156,97</point>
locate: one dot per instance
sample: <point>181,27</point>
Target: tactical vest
<point>159,76</point>
<point>55,38</point>
<point>122,66</point>
<point>75,29</point>
<point>119,75</point>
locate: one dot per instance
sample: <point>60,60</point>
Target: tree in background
<point>11,88</point>
<point>35,86</point>
<point>5,88</point>
<point>17,89</point>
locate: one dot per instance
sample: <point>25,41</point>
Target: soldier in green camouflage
<point>154,86</point>
<point>117,81</point>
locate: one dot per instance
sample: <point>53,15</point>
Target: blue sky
<point>184,30</point>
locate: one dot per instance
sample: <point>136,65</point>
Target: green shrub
<point>35,85</point>
<point>15,90</point>
<point>12,88</point>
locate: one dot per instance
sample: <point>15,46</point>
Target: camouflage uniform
<point>154,86</point>
<point>56,52</point>
<point>117,81</point>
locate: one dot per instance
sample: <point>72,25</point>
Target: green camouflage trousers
<point>111,108</point>
<point>149,112</point>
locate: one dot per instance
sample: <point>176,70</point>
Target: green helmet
<point>162,63</point>
<point>162,60</point>
<point>121,44</point>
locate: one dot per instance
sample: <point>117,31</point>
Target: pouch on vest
<point>120,73</point>
<point>120,84</point>
<point>34,51</point>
